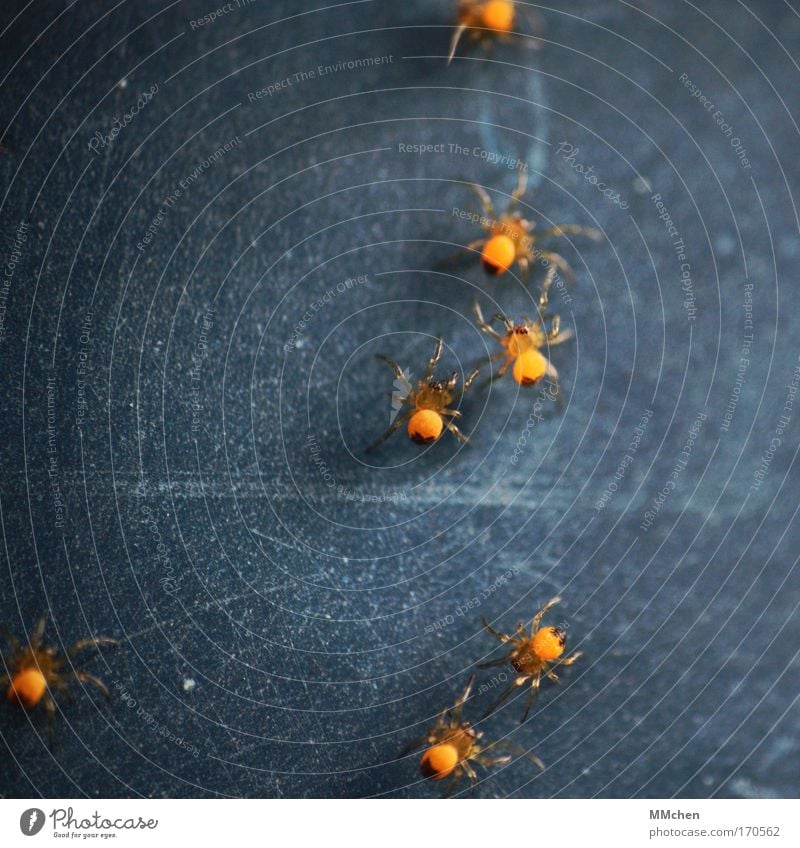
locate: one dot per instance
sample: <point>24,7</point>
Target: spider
<point>531,656</point>
<point>430,402</point>
<point>512,239</point>
<point>35,670</point>
<point>487,19</point>
<point>453,745</point>
<point>522,343</point>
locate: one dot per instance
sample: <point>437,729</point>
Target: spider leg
<point>453,413</point>
<point>37,633</point>
<point>556,335</point>
<point>483,197</point>
<point>505,321</point>
<point>470,772</point>
<point>482,324</point>
<point>489,762</point>
<point>468,381</point>
<point>544,295</point>
<point>572,230</point>
<point>398,371</point>
<point>570,660</point>
<point>85,677</point>
<point>472,247</point>
<point>518,750</point>
<point>493,663</point>
<point>464,696</point>
<point>537,619</point>
<point>518,681</point>
<point>503,637</point>
<point>452,783</point>
<point>559,261</point>
<point>91,642</point>
<point>531,697</point>
<point>460,30</point>
<point>522,182</point>
<point>551,675</point>
<point>437,352</point>
<point>395,426</point>
<point>500,371</point>
<point>456,432</point>
<point>50,706</point>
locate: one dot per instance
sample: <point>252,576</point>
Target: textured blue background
<point>287,641</point>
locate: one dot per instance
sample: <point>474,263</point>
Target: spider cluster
<point>524,345</point>
<point>452,746</point>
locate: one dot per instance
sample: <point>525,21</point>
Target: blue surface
<point>312,607</point>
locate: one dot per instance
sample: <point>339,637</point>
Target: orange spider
<point>430,402</point>
<point>522,343</point>
<point>452,745</point>
<point>488,19</point>
<point>34,670</point>
<point>531,656</point>
<point>512,239</point>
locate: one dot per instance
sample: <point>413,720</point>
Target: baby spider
<point>453,745</point>
<point>430,402</point>
<point>512,239</point>
<point>531,656</point>
<point>35,670</point>
<point>487,19</point>
<point>522,343</point>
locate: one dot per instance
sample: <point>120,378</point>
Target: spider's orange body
<point>27,687</point>
<point>498,15</point>
<point>425,426</point>
<point>532,656</point>
<point>37,670</point>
